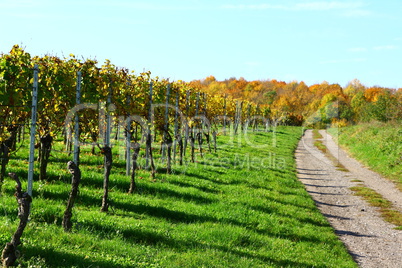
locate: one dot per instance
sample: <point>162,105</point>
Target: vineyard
<point>78,99</point>
<point>127,170</point>
<point>151,124</point>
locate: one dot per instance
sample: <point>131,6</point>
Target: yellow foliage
<point>339,122</point>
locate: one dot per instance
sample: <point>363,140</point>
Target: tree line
<point>320,104</point>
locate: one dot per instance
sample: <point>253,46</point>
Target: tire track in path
<point>370,240</point>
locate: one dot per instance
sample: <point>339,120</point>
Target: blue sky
<point>307,40</point>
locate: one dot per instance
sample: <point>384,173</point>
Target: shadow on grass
<point>164,193</point>
<point>199,187</point>
<point>97,181</point>
<point>267,260</point>
<point>54,258</point>
<point>147,189</point>
<point>217,179</point>
<point>134,236</point>
<point>82,199</point>
<point>155,239</point>
<point>182,217</point>
<point>167,214</point>
<point>303,221</point>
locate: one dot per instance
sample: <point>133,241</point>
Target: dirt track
<point>370,240</point>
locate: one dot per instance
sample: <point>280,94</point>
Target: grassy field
<point>377,145</point>
<point>240,207</point>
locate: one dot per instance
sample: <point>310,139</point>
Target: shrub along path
<point>372,241</point>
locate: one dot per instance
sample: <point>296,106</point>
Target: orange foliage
<point>371,94</point>
<point>293,101</point>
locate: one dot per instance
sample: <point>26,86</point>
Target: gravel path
<point>370,240</point>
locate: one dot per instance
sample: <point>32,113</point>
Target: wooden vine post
<point>199,125</point>
<point>176,126</point>
<point>133,185</point>
<point>44,154</point>
<point>75,181</point>
<point>128,139</point>
<point>239,108</point>
<point>10,252</point>
<point>168,143</point>
<point>108,116</point>
<point>33,130</point>
<point>235,127</point>
<point>177,134</point>
<point>193,134</point>
<point>255,122</point>
<point>107,152</point>
<point>167,138</point>
<point>214,134</point>
<point>224,115</point>
<point>206,123</point>
<point>76,125</point>
<point>187,128</point>
<point>148,150</point>
<point>247,120</point>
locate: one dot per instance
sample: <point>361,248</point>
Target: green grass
<point>377,200</point>
<point>241,207</point>
<point>318,141</point>
<point>377,145</point>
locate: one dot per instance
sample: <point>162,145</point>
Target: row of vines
<point>85,105</point>
<point>148,110</point>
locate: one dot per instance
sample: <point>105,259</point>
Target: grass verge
<point>240,207</point>
<point>377,145</point>
<point>377,200</point>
